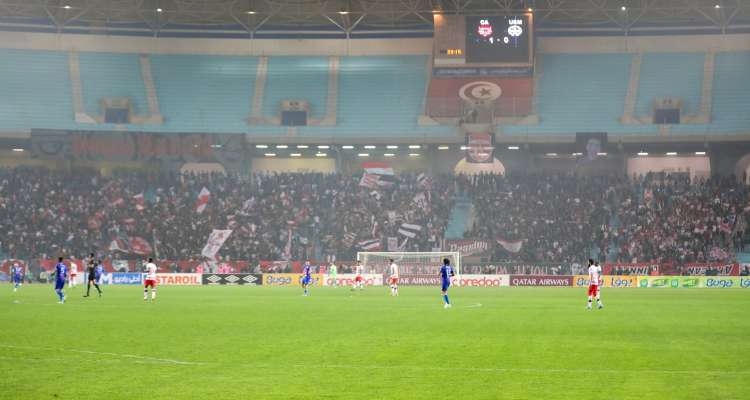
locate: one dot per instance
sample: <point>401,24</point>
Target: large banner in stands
<point>703,269</point>
<point>469,247</point>
<point>172,149</point>
<point>540,280</point>
<point>685,282</point>
<point>348,280</point>
<point>629,268</point>
<point>178,279</point>
<point>233,279</point>
<point>123,278</point>
<point>608,281</point>
<point>290,279</point>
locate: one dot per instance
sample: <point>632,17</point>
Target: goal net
<point>413,263</point>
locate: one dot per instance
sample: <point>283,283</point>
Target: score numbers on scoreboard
<point>494,40</point>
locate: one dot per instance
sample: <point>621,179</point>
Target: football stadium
<point>374,199</point>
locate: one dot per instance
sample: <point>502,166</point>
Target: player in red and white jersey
<point>595,278</point>
<point>393,279</point>
<point>73,273</point>
<point>150,269</point>
<point>359,280</point>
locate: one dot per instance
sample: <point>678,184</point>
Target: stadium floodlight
<point>159,10</point>
<point>302,146</point>
<point>642,153</point>
<point>464,147</point>
<point>369,147</point>
<point>671,153</point>
<point>250,12</point>
<point>530,9</point>
<point>429,263</point>
<point>700,153</point>
<point>18,150</point>
<point>601,153</point>
<point>215,146</point>
<point>67,7</point>
<point>324,146</point>
<point>443,147</point>
<point>295,155</point>
<point>261,146</point>
<point>389,155</point>
<point>270,154</point>
<point>623,8</point>
<point>717,6</point>
<point>347,147</point>
<point>577,154</point>
<point>551,154</point>
<point>282,146</point>
<point>413,154</point>
<point>363,155</point>
<point>513,147</point>
<point>415,146</point>
<point>391,146</point>
<point>321,155</point>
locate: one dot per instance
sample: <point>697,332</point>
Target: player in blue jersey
<point>16,276</point>
<point>446,273</point>
<point>61,275</point>
<point>306,277</point>
<point>95,274</point>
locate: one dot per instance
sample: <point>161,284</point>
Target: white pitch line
<point>100,353</point>
<point>511,370</point>
<point>476,305</point>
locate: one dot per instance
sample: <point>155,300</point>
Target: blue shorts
<point>306,280</point>
<point>17,279</point>
<point>59,285</point>
<point>445,285</point>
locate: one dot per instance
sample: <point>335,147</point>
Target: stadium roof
<point>321,18</point>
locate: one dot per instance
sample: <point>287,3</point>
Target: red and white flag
<point>369,180</point>
<point>140,202</point>
<point>140,246</point>
<point>215,240</point>
<point>202,202</point>
<point>512,246</point>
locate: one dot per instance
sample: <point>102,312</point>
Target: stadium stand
<point>677,75</point>
<point>51,212</point>
<point>111,75</point>
<point>38,84</point>
<point>296,78</point>
<point>561,218</point>
<point>657,217</point>
<point>732,84</point>
<point>204,94</point>
<point>381,95</point>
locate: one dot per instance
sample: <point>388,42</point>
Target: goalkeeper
<point>333,275</point>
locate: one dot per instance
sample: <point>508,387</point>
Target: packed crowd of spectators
<point>564,218</point>
<point>44,213</point>
<point>556,218</point>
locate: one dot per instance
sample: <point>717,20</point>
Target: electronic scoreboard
<point>496,45</point>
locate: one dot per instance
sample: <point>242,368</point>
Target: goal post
<point>408,262</point>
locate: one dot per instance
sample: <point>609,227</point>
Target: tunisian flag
<point>202,202</point>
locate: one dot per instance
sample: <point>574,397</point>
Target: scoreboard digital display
<point>498,39</point>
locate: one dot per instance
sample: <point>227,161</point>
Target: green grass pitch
<point>272,343</point>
